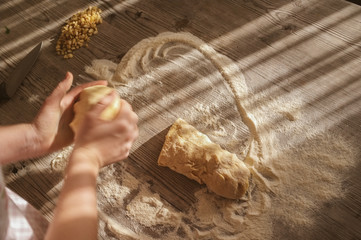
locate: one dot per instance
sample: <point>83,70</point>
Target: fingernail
<point>67,75</point>
<point>108,99</point>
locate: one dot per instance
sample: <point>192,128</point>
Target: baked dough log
<point>193,154</point>
<point>89,97</point>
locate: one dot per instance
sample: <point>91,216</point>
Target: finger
<point>74,93</point>
<point>134,118</point>
<point>60,91</point>
<point>98,108</point>
<point>124,151</point>
<point>125,108</point>
<point>135,133</point>
<point>64,86</point>
<point>127,112</point>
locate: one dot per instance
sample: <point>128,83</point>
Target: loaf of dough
<point>89,97</point>
<point>193,154</point>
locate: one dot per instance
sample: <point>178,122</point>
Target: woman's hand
<point>107,142</point>
<point>97,143</point>
<point>51,125</point>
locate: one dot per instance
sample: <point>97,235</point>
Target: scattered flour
<point>101,69</point>
<point>59,163</point>
<point>148,209</point>
<point>297,165</point>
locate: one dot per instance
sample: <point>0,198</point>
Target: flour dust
<point>297,165</point>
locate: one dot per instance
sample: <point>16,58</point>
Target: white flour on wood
<point>297,165</point>
<point>59,163</point>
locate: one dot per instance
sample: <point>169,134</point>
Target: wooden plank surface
<point>304,49</point>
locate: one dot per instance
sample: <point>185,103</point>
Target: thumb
<point>62,88</point>
<point>99,107</point>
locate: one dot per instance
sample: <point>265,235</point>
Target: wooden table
<point>311,49</point>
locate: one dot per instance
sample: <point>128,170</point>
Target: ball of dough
<point>89,97</point>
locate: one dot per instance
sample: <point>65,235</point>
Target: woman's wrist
<point>37,145</point>
<point>83,160</point>
<point>32,145</point>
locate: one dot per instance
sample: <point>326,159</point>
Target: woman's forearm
<point>19,142</point>
<point>76,212</point>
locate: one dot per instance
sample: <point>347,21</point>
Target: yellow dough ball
<point>89,97</point>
